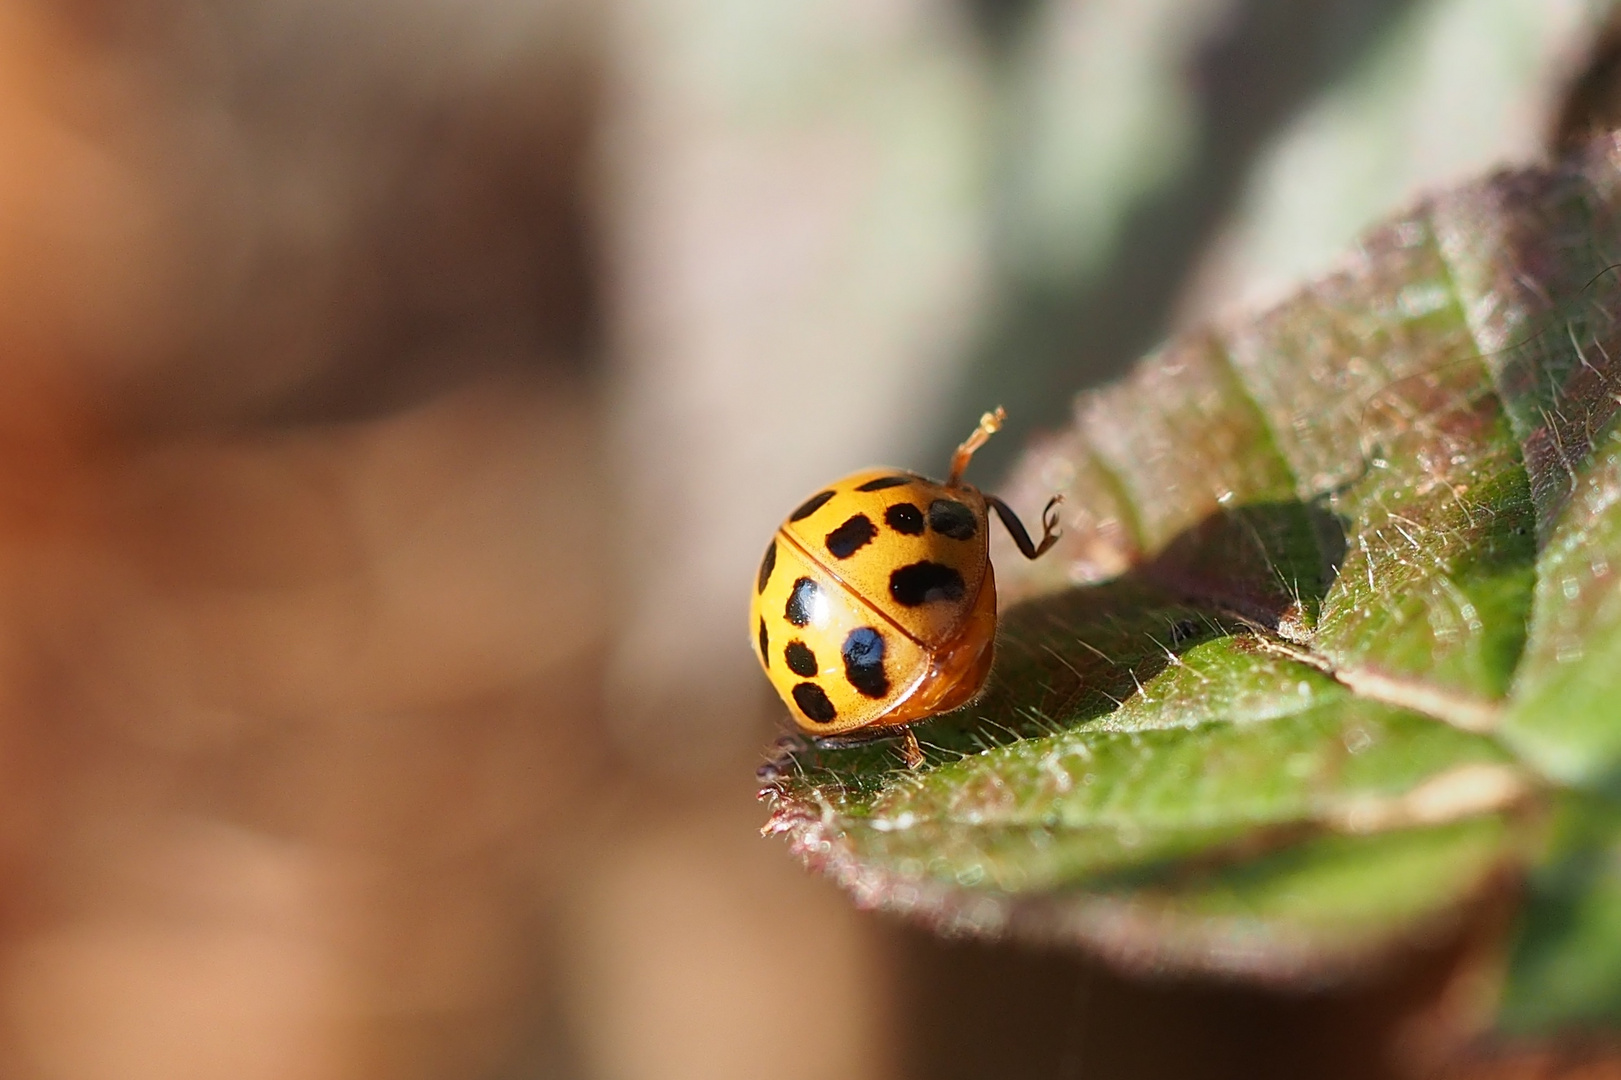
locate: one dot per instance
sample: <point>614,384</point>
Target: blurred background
<point>395,399</point>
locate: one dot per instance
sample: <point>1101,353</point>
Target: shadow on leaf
<point>1074,656</point>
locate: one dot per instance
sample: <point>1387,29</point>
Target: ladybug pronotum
<point>875,604</point>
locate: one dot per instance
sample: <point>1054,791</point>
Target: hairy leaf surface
<point>1330,651</point>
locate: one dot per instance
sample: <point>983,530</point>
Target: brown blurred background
<point>394,398</point>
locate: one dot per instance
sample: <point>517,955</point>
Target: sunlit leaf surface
<point>1331,648</point>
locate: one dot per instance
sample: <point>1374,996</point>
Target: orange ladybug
<point>875,604</point>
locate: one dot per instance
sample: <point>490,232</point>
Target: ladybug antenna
<point>989,425</point>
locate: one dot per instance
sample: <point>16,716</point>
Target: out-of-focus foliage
<point>1360,668</point>
<point>1163,160</point>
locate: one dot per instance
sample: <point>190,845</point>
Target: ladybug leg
<point>1015,527</point>
<point>989,425</point>
<point>911,750</point>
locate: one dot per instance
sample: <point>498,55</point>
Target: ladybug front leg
<point>989,425</point>
<point>1015,527</point>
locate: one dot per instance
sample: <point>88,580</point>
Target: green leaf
<point>1566,965</point>
<point>1331,647</point>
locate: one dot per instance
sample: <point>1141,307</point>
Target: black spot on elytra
<point>948,517</point>
<point>810,506</point>
<point>884,482</point>
<point>800,601</point>
<point>851,537</point>
<point>801,661</point>
<point>768,564</point>
<point>904,518</point>
<point>924,582</point>
<point>765,645</point>
<point>812,701</point>
<point>864,662</point>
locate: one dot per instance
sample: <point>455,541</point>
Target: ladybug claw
<point>1050,532</point>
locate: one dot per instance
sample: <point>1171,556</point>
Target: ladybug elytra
<point>875,603</point>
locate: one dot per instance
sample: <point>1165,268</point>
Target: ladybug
<point>875,603</point>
